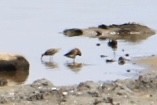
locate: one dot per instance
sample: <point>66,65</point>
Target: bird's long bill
<point>74,61</point>
<point>79,53</point>
<point>42,56</point>
<point>66,55</point>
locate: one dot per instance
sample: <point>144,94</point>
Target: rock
<point>13,62</point>
<point>128,70</point>
<point>128,31</point>
<point>121,60</point>
<point>42,83</point>
<point>103,26</point>
<point>109,100</point>
<point>94,93</point>
<point>98,44</point>
<point>126,55</point>
<point>103,56</point>
<point>109,60</point>
<point>73,32</point>
<point>88,85</point>
<point>13,67</point>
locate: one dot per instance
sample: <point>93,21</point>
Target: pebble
<point>103,56</point>
<point>126,55</point>
<point>128,70</point>
<point>109,60</point>
<point>98,44</point>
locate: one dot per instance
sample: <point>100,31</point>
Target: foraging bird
<point>73,53</point>
<point>112,44</point>
<point>50,52</point>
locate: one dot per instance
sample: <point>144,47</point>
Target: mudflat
<point>140,91</point>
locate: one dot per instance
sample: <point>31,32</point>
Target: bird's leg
<point>41,58</point>
<point>114,55</point>
<point>73,61</point>
<point>51,58</point>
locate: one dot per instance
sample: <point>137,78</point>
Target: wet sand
<point>148,62</point>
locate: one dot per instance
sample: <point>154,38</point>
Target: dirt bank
<point>141,91</point>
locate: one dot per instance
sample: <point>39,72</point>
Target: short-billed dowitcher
<point>73,53</point>
<point>50,52</point>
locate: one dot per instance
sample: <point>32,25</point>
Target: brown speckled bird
<point>50,52</point>
<point>73,53</point>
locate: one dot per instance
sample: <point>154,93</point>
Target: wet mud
<point>140,91</point>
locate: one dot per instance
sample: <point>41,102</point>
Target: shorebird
<point>50,52</point>
<point>112,44</point>
<point>73,53</point>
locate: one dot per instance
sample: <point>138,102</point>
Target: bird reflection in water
<point>13,77</point>
<point>75,67</point>
<point>50,64</point>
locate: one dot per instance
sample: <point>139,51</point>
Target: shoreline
<point>149,64</point>
<point>141,91</point>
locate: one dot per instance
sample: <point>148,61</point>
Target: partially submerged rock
<point>13,62</point>
<point>73,32</point>
<point>128,31</point>
<point>13,68</point>
<point>42,83</point>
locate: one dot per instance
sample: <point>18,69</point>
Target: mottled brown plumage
<point>50,52</point>
<point>73,53</point>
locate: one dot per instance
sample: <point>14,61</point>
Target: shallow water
<point>31,27</point>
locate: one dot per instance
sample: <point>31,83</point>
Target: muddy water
<point>31,27</point>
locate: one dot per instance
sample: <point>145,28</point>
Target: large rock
<point>13,62</point>
<point>13,68</point>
